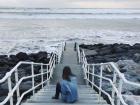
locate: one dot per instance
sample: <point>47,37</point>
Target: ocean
<point>34,29</point>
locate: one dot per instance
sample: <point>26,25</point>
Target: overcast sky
<point>71,3</point>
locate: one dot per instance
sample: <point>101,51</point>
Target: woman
<point>67,87</point>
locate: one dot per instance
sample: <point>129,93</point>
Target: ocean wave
<point>66,13</point>
<point>68,10</point>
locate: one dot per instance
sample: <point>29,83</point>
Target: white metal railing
<point>59,51</point>
<point>61,48</point>
<point>50,66</point>
<point>116,97</point>
<point>45,70</point>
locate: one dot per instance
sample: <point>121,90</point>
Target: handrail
<point>89,77</point>
<point>8,75</point>
<point>49,71</point>
<point>78,52</point>
<point>122,76</point>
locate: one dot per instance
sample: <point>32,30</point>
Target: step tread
<point>59,101</point>
<point>60,104</point>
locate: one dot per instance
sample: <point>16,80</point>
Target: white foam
<point>67,13</point>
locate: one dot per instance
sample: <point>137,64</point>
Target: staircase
<point>87,95</point>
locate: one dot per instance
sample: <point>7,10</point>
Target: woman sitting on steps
<point>67,87</point>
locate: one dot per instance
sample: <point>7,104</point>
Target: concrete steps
<point>87,96</point>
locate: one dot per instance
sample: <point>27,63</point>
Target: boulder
<point>132,99</point>
<point>123,70</point>
<point>105,51</point>
<point>22,56</point>
<point>33,57</point>
<point>90,52</point>
<point>25,86</point>
<point>42,57</point>
<point>3,56</point>
<point>136,46</point>
<point>2,97</point>
<point>4,89</point>
<point>119,49</point>
<point>3,62</point>
<point>136,57</point>
<point>13,58</point>
<point>4,69</point>
<point>112,52</point>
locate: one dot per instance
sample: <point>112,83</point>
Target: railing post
<point>16,80</point>
<point>84,70</point>
<point>82,55</point>
<point>56,59</point>
<point>65,46</point>
<point>10,89</point>
<point>114,82</point>
<point>88,73</point>
<point>100,85</point>
<point>59,53</point>
<point>48,75</point>
<point>78,53</point>
<point>79,56</point>
<point>93,76</point>
<point>33,81</point>
<point>119,90</point>
<point>42,79</point>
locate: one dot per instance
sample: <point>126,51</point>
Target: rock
<point>100,45</point>
<point>105,51</point>
<point>91,52</point>
<point>33,57</point>
<point>42,57</point>
<point>123,70</point>
<point>98,59</point>
<point>136,46</point>
<point>22,56</point>
<point>13,58</point>
<point>136,57</point>
<point>24,70</point>
<point>4,89</point>
<point>25,86</point>
<point>4,69</point>
<point>3,62</point>
<point>5,85</point>
<point>111,59</point>
<point>2,98</point>
<point>3,56</point>
<point>113,52</point>
<point>132,99</point>
<point>119,49</point>
<point>136,91</point>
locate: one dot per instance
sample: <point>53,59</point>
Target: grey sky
<point>72,3</point>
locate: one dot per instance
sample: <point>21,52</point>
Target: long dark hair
<point>67,73</point>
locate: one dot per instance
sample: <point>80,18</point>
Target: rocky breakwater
<point>7,63</point>
<point>126,56</point>
<point>111,52</point>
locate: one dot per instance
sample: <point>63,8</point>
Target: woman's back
<point>69,91</point>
